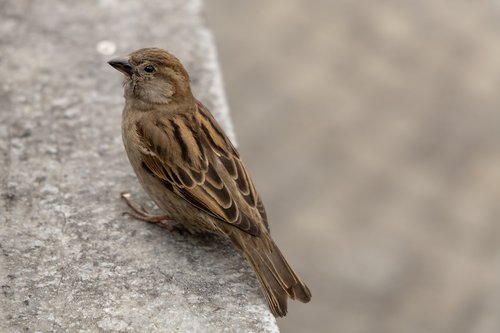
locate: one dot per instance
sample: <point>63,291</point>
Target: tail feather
<point>278,280</point>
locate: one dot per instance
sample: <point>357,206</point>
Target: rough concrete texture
<point>70,262</point>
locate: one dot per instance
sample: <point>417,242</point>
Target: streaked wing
<point>195,159</point>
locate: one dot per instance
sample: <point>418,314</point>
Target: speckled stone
<point>69,260</point>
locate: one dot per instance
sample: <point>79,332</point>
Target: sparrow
<point>192,171</point>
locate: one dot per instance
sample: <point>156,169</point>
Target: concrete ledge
<point>69,260</point>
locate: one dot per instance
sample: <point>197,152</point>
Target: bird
<point>191,170</point>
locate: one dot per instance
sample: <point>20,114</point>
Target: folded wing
<point>193,157</point>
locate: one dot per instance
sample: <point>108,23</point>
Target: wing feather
<point>195,159</point>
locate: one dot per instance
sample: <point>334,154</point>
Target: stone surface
<point>69,260</point>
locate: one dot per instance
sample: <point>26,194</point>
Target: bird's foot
<point>140,213</point>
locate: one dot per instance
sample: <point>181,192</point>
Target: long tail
<point>276,277</point>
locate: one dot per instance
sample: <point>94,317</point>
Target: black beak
<point>122,65</point>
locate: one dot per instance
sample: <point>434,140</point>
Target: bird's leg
<point>140,213</point>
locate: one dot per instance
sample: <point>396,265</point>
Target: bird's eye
<point>149,69</point>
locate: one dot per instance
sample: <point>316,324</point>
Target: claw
<point>140,213</point>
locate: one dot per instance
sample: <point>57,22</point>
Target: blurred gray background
<point>372,130</point>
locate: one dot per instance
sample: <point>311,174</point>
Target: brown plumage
<point>191,170</point>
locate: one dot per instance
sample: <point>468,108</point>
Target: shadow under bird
<point>191,170</point>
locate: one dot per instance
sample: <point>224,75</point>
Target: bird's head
<point>153,75</point>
